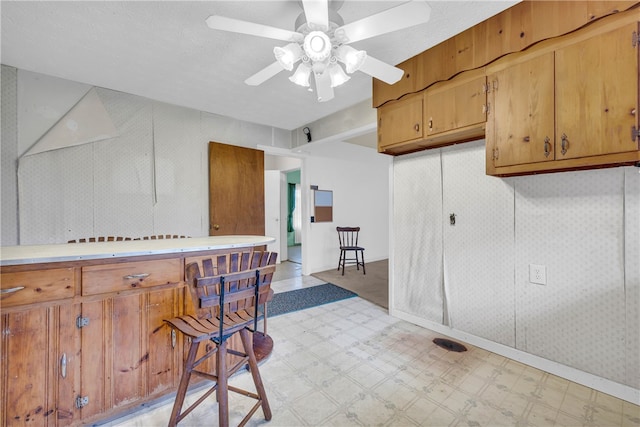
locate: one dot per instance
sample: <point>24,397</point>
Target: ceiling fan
<point>321,41</point>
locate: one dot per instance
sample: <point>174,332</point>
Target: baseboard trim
<point>604,385</point>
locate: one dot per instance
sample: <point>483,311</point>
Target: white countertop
<point>32,254</point>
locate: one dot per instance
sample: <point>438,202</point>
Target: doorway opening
<point>294,217</point>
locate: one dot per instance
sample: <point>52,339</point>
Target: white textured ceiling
<point>163,50</point>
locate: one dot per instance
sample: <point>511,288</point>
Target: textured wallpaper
<point>584,227</point>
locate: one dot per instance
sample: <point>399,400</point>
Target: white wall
<point>358,177</point>
<point>471,280</point>
<point>151,178</point>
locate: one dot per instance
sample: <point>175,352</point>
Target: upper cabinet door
<point>400,121</point>
<point>522,112</point>
<point>456,104</point>
<point>597,95</point>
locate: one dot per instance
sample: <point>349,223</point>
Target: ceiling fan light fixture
<point>301,76</point>
<point>337,74</point>
<point>351,58</point>
<point>288,55</point>
<point>317,46</point>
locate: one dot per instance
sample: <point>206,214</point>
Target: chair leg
<point>340,260</point>
<point>222,392</point>
<point>362,256</point>
<point>184,384</point>
<point>247,342</point>
<point>344,260</point>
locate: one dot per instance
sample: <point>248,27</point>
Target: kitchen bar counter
<point>30,254</point>
<point>83,332</point>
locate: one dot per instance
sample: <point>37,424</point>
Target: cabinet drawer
<point>108,278</point>
<point>30,287</point>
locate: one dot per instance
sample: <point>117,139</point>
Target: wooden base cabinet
<point>569,103</point>
<point>129,353</point>
<point>65,363</point>
<point>40,366</point>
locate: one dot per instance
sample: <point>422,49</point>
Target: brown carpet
<point>373,286</point>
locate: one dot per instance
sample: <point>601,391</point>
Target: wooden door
<point>522,114</point>
<point>400,121</point>
<point>236,190</point>
<point>595,108</point>
<point>455,104</point>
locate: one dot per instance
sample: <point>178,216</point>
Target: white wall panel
<point>632,274</point>
<point>42,101</point>
<point>479,248</point>
<point>8,156</point>
<point>572,223</point>
<point>123,173</point>
<point>417,219</point>
<point>181,172</point>
<point>56,191</point>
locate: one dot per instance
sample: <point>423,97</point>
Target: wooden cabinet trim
<point>488,41</point>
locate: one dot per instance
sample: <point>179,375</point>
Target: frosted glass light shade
<point>301,76</point>
<point>337,74</point>
<point>288,55</point>
<point>352,58</point>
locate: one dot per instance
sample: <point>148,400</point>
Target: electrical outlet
<point>538,274</point>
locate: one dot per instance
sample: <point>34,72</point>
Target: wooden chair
<point>226,295</point>
<point>348,239</point>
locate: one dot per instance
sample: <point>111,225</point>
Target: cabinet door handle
<point>564,144</point>
<point>136,276</point>
<point>173,338</point>
<point>547,147</point>
<point>526,139</point>
<point>11,290</point>
<point>416,127</point>
<point>63,365</point>
<point>430,124</point>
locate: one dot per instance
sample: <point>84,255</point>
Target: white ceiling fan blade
<point>323,87</point>
<point>264,74</point>
<point>397,18</point>
<point>381,70</point>
<point>317,13</point>
<point>223,23</point>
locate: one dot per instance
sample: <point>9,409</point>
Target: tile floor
<point>350,364</point>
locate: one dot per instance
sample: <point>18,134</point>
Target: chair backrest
<point>162,236</point>
<point>226,284</point>
<point>348,236</point>
<point>100,239</point>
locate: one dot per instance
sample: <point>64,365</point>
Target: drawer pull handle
<point>173,338</point>
<point>12,290</point>
<point>137,276</point>
<point>63,365</point>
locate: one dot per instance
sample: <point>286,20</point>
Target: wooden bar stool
<point>226,294</point>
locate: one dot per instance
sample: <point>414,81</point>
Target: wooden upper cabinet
<point>456,105</point>
<point>384,92</point>
<point>521,120</point>
<point>513,30</point>
<point>400,122</point>
<point>568,103</point>
<point>597,95</point>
